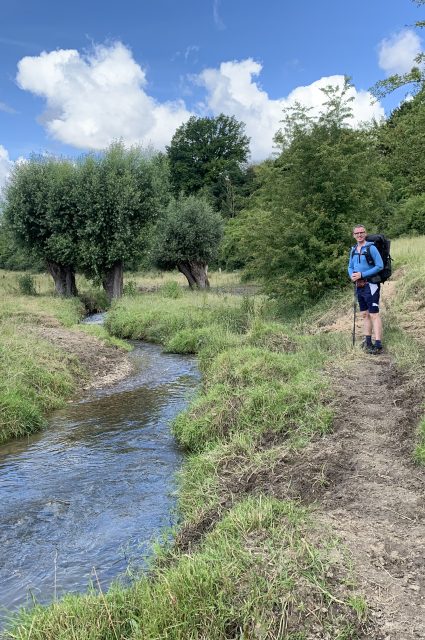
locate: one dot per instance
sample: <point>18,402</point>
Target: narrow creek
<point>96,486</point>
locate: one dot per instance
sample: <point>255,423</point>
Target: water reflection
<point>95,487</point>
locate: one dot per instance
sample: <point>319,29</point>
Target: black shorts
<point>368,297</point>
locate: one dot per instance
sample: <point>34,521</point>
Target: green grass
<point>420,447</point>
<point>255,391</point>
<point>34,379</point>
<point>262,572</point>
<point>153,280</point>
<point>262,566</point>
<point>98,331</point>
<point>157,318</point>
<point>406,323</point>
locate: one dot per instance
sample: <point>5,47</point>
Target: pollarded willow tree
<point>119,194</point>
<point>40,208</point>
<point>187,236</point>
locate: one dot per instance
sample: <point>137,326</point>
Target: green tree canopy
<point>409,217</point>
<point>208,156</point>
<point>187,237</point>
<point>40,208</point>
<point>119,194</point>
<point>402,143</point>
<point>13,256</point>
<point>297,230</point>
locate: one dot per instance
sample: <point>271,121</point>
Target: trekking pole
<point>354,315</point>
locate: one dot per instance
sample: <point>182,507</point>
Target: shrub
<point>26,284</point>
<point>130,288</point>
<point>409,218</point>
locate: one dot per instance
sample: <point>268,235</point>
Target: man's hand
<point>356,275</point>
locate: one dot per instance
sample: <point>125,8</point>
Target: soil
<point>103,364</point>
<point>375,494</point>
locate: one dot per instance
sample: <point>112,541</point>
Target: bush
<point>26,284</point>
<point>409,218</point>
<point>130,288</point>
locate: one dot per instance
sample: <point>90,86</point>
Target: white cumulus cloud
<point>233,90</point>
<point>96,98</point>
<point>5,166</point>
<point>397,53</point>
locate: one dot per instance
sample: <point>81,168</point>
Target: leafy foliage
<point>26,284</point>
<point>296,232</point>
<point>40,207</point>
<point>402,140</point>
<point>13,256</point>
<point>208,156</point>
<point>190,230</point>
<point>116,198</point>
<point>409,217</point>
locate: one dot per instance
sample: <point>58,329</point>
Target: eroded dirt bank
<point>104,364</point>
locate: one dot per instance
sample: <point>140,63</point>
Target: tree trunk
<point>184,268</point>
<point>196,273</point>
<point>113,281</point>
<point>64,279</point>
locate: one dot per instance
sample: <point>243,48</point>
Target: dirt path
<point>375,500</point>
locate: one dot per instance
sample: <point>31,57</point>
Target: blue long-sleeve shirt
<point>359,263</point>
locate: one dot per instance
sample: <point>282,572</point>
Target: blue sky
<point>74,76</point>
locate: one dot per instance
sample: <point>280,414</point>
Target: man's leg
<point>377,325</point>
<point>367,324</point>
<point>375,315</point>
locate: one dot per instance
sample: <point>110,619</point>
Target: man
<point>359,271</point>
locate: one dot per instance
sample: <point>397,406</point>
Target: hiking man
<point>359,271</point>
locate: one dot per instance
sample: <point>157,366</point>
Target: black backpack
<point>383,245</point>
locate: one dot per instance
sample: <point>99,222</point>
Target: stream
<point>81,501</point>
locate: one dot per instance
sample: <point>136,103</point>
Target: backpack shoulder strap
<point>368,255</point>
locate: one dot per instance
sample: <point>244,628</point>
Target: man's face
<point>359,234</point>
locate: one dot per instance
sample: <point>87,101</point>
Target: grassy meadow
<point>244,563</point>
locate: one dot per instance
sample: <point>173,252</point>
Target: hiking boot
<point>364,345</point>
<point>374,350</point>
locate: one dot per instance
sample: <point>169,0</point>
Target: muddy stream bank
<point>96,486</point>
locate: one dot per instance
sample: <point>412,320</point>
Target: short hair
<point>356,226</point>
